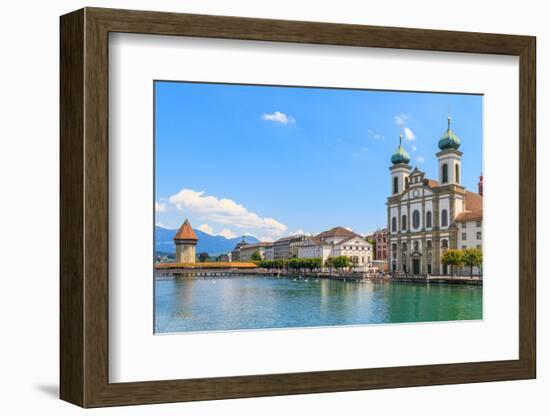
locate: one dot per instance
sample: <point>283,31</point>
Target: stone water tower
<point>185,241</point>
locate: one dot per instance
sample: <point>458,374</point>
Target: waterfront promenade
<point>213,269</point>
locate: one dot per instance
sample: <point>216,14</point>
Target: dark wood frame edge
<point>84,207</point>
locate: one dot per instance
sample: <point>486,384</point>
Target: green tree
<point>341,262</point>
<point>329,263</point>
<point>452,258</point>
<point>317,263</point>
<point>472,257</point>
<point>256,256</point>
<point>203,257</point>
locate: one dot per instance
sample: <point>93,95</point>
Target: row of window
<point>478,236</point>
<point>416,220</point>
<point>444,177</point>
<point>478,224</point>
<point>396,183</point>
<point>416,245</point>
<point>445,173</point>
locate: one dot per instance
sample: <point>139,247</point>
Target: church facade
<point>426,217</point>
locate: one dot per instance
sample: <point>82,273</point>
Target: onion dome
<point>449,140</point>
<point>186,232</point>
<point>400,155</point>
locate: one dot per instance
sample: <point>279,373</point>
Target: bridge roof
<point>208,265</point>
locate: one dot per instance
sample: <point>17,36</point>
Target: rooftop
<point>337,232</point>
<point>469,216</point>
<point>474,202</point>
<point>186,232</point>
<point>291,238</point>
<point>257,245</point>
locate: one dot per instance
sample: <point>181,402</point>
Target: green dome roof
<point>400,155</point>
<point>449,140</point>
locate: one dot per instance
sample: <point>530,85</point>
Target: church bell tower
<point>449,157</point>
<point>400,169</point>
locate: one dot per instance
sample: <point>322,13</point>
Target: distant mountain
<point>211,244</point>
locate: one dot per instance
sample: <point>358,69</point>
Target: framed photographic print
<point>255,207</point>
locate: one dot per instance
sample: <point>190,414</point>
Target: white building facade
<point>337,242</point>
<point>426,217</point>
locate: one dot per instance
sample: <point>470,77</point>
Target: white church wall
<point>444,205</point>
<point>416,206</point>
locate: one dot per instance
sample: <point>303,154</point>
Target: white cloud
<point>401,119</point>
<point>279,117</point>
<point>413,147</point>
<point>160,207</point>
<point>364,149</point>
<point>206,229</point>
<point>409,135</point>
<point>225,211</point>
<point>227,233</point>
<point>420,159</point>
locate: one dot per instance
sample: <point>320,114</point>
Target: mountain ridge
<point>211,244</point>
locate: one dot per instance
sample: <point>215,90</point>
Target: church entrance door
<point>416,266</point>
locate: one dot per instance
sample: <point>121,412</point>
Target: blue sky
<point>271,161</point>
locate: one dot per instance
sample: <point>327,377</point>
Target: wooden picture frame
<point>84,207</point>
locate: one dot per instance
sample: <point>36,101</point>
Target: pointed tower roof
<point>449,140</point>
<point>186,232</point>
<point>400,155</point>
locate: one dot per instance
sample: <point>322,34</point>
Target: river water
<point>259,302</point>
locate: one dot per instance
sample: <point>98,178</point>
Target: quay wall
<point>356,276</point>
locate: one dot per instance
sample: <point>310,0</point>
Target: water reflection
<point>269,302</point>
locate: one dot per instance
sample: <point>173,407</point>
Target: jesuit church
<point>427,217</point>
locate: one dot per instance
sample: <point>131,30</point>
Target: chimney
<point>480,185</point>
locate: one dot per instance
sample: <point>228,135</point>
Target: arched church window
<point>395,185</point>
<point>394,224</point>
<point>457,173</point>
<point>416,219</point>
<point>416,246</point>
<point>444,173</point>
<point>403,222</point>
<point>444,218</point>
<point>429,219</point>
<point>444,244</point>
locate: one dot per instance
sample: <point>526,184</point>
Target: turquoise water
<point>254,302</point>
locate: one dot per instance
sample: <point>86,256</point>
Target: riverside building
<point>246,251</point>
<point>427,217</point>
<point>338,241</point>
